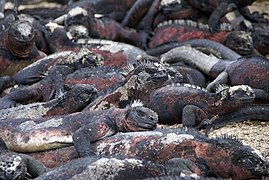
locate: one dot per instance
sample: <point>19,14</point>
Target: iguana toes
<point>101,28</point>
<point>183,30</point>
<point>18,45</point>
<point>19,166</point>
<point>115,54</point>
<point>190,105</point>
<point>252,112</point>
<point>118,168</point>
<point>140,81</point>
<point>248,70</point>
<point>74,100</point>
<point>30,135</point>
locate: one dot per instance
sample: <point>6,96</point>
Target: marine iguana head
<point>78,16</point>
<point>21,36</point>
<point>138,118</point>
<point>240,94</point>
<point>245,162</point>
<point>12,166</point>
<point>241,42</point>
<point>152,75</point>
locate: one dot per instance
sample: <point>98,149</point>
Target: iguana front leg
<point>219,12</point>
<point>222,78</point>
<point>89,133</point>
<point>193,115</point>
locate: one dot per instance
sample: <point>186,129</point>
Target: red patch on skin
<point>117,59</point>
<point>98,82</point>
<point>179,34</point>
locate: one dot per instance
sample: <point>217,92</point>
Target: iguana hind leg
<point>193,115</point>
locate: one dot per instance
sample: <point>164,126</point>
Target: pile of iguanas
<point>82,92</point>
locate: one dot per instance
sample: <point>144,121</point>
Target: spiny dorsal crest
<point>170,2</point>
<point>127,69</point>
<point>135,103</point>
<point>194,24</point>
<point>221,87</point>
<point>245,88</point>
<point>230,137</point>
<point>193,86</point>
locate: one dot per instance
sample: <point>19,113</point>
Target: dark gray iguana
<point>30,135</point>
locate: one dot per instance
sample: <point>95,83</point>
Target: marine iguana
<point>101,28</point>
<point>18,45</point>
<point>74,60</point>
<point>248,70</point>
<point>234,160</point>
<point>19,166</point>
<point>115,54</point>
<point>53,80</point>
<point>74,100</point>
<point>183,30</point>
<point>139,82</point>
<point>219,8</point>
<point>115,9</point>
<point>40,134</point>
<point>145,14</point>
<point>204,45</point>
<point>190,104</point>
<point>118,168</point>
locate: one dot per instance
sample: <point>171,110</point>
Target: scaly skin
<point>18,45</point>
<point>102,28</point>
<point>139,83</point>
<point>184,30</point>
<point>145,14</point>
<point>103,78</point>
<point>115,54</point>
<point>40,134</point>
<point>248,70</point>
<point>115,9</point>
<point>234,160</point>
<point>117,168</point>
<point>75,60</point>
<point>74,100</point>
<point>252,112</point>
<point>190,105</point>
<point>49,74</point>
<point>17,166</point>
<point>219,8</point>
<point>203,45</point>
